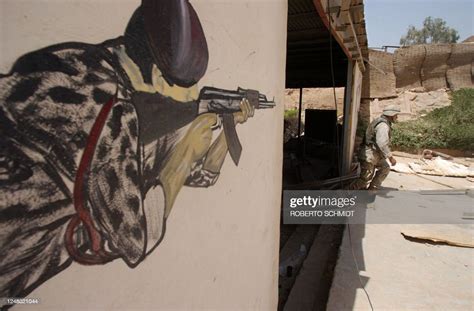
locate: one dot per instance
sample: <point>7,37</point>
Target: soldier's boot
<point>366,175</point>
<point>381,173</point>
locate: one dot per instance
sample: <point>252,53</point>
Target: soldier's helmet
<point>391,110</point>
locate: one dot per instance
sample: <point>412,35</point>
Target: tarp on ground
<point>460,71</point>
<point>440,167</point>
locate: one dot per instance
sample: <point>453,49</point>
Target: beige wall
<point>221,246</point>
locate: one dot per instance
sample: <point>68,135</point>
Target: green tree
<point>434,30</point>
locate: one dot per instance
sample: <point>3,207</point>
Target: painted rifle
<point>225,103</point>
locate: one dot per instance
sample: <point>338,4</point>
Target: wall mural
<point>89,131</point>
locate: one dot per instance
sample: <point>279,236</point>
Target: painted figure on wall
<point>98,140</point>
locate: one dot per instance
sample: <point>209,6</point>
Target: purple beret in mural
<point>177,39</point>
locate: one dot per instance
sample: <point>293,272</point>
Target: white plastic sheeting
<point>437,167</point>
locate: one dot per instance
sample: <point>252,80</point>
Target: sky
<point>388,20</point>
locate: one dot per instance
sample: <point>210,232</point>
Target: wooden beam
<point>346,4</point>
<point>334,9</point>
<point>348,17</point>
<point>357,7</point>
<point>348,40</point>
<point>330,26</point>
<point>359,25</point>
<point>360,31</point>
<point>347,126</point>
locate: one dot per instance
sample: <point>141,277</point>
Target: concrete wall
<point>220,250</point>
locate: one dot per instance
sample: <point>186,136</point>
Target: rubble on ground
<point>436,166</point>
<point>413,103</point>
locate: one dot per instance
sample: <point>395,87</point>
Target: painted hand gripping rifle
<point>225,103</point>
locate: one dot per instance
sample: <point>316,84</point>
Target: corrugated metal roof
<point>301,16</point>
<point>308,53</point>
<point>308,46</point>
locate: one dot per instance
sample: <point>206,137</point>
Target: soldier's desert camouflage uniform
<point>373,154</point>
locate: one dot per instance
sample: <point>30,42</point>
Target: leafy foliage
<point>291,113</point>
<point>291,124</point>
<point>434,30</point>
<point>449,127</point>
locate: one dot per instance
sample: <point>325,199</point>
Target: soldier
<point>374,151</point>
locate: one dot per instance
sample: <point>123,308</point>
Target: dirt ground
<point>316,98</point>
<point>400,274</point>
